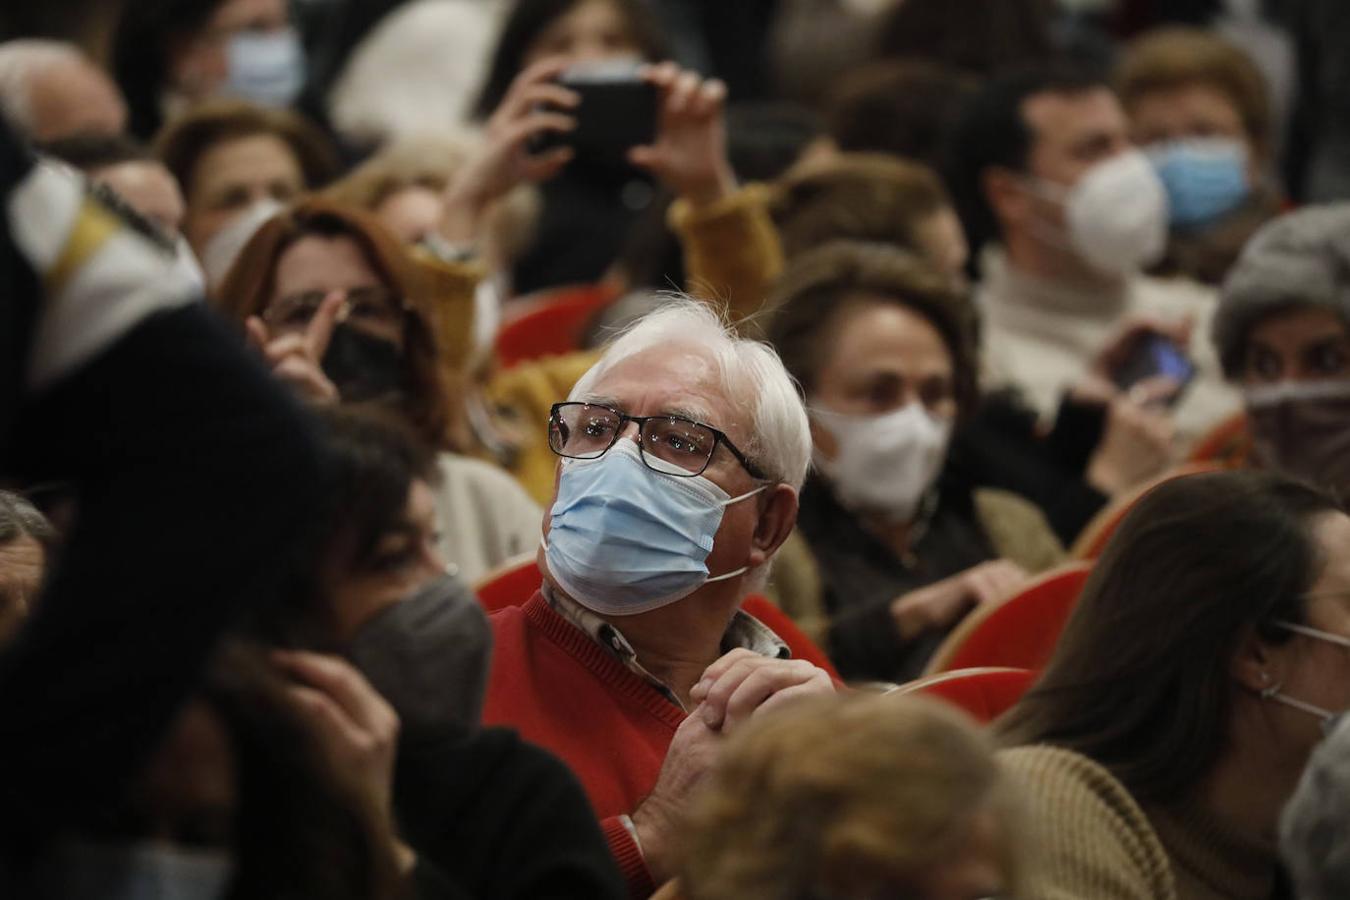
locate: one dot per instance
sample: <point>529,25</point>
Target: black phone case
<point>613,117</point>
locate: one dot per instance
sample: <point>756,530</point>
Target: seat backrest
<point>1019,632</point>
<point>510,584</point>
<point>516,581</point>
<point>985,693</point>
<point>1103,526</point>
<point>1228,444</point>
<point>552,323</point>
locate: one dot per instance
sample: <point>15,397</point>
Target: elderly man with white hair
<point>683,450</point>
<point>50,90</point>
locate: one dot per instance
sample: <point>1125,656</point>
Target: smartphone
<point>1156,356</point>
<point>617,111</point>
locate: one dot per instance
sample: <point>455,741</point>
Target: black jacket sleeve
<point>494,817</point>
<point>194,475</point>
<point>864,645</point>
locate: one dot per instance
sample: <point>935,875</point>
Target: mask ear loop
<point>1272,692</point>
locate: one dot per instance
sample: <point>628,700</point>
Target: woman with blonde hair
<point>850,798</point>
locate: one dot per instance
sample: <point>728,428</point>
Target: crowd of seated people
<point>569,469</point>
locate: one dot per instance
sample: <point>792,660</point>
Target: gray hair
<point>1315,827</point>
<point>752,375</point>
<point>20,61</point>
<point>19,518</point>
<point>1300,259</point>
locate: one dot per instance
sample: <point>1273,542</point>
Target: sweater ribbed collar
<point>1006,290</point>
<point>1205,849</point>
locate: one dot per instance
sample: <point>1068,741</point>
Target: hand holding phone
<point>1155,356</point>
<point>689,153</point>
<point>615,111</point>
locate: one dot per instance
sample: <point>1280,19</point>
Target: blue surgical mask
<point>1205,178</point>
<point>266,67</point>
<point>625,539</point>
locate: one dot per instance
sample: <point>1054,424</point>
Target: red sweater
<point>563,691</point>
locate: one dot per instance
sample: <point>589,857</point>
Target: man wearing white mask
<point>682,451</point>
<point>1044,174</point>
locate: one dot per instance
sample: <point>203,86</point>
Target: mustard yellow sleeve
<point>524,394</point>
<point>732,253</point>
<point>451,287</point>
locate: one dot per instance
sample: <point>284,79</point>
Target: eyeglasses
<point>685,447</point>
<point>370,307</point>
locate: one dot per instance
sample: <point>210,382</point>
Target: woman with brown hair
<point>1200,108</point>
<point>230,156</point>
<point>333,303</point>
<point>882,346</point>
<point>1192,682</point>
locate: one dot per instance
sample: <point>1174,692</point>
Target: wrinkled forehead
<point>673,379</point>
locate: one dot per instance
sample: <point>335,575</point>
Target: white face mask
<point>225,245</point>
<point>1116,214</point>
<point>885,463</point>
<point>1275,691</point>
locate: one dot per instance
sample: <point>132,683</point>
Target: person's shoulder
<point>1073,771</point>
<point>1091,836</point>
<point>481,479</point>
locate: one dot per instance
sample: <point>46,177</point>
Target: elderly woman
<point>26,540</point>
<point>1283,334</point>
<point>330,301</point>
<point>232,159</point>
<point>858,797</point>
<point>682,452</point>
<point>881,345</point>
<point>1200,108</point>
<point>1196,675</point>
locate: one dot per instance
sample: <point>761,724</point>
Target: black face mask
<point>362,367</point>
<point>428,656</point>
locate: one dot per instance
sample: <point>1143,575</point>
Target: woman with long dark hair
<point>589,207</point>
<point>1197,673</point>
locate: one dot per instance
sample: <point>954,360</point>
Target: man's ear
<point>776,522</point>
<point>1255,666</point>
<point>1007,196</point>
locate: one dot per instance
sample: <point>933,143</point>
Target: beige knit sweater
<point>1092,841</point>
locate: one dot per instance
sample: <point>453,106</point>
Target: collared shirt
<point>744,632</point>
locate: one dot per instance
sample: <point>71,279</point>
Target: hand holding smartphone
<point>617,110</point>
<point>1156,356</point>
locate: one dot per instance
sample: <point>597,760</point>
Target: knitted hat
<point>1300,259</point>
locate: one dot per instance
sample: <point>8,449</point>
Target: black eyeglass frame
<point>719,437</point>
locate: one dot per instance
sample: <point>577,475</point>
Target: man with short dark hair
<point>1044,174</point>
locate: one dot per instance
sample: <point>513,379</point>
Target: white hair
<point>1315,827</point>
<point>20,61</point>
<point>752,376</point>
